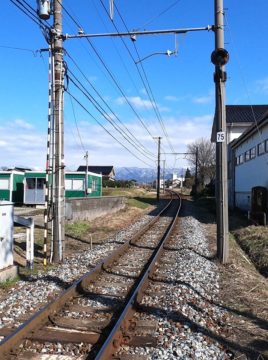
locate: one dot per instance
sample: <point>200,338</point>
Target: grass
<point>9,283</point>
<point>254,241</point>
<point>78,229</point>
<point>137,203</point>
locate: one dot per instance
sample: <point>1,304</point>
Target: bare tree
<point>206,159</point>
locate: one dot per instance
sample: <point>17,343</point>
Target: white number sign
<point>221,136</point>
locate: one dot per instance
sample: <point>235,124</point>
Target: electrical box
<point>43,7</point>
<point>6,234</point>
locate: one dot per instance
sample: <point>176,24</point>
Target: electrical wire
<point>76,125</point>
<point>29,12</point>
<point>106,116</point>
<point>132,137</point>
<point>161,13</point>
<point>111,75</point>
<point>104,128</point>
<point>245,85</point>
<point>148,87</point>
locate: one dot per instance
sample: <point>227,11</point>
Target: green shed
<point>11,186</point>
<point>34,186</point>
<point>75,184</point>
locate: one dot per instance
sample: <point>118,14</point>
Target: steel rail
<point>118,333</point>
<point>9,344</point>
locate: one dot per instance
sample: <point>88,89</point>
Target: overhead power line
<point>106,116</point>
<point>104,128</point>
<point>148,87</point>
<point>123,127</point>
<point>111,75</point>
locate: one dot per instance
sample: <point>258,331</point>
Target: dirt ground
<point>243,294</point>
<point>243,291</point>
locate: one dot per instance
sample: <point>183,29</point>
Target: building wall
<point>18,188</point>
<point>90,208</point>
<point>5,194</point>
<point>93,191</point>
<point>253,172</point>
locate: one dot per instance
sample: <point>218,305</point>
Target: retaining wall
<point>90,208</point>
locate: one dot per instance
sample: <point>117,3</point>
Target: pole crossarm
<point>138,33</point>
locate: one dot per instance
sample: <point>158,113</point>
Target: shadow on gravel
<point>184,320</point>
<point>210,258</point>
<point>48,278</point>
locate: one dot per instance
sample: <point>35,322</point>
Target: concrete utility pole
<point>86,179</point>
<point>59,206</point>
<point>219,58</point>
<point>158,169</point>
<point>164,168</point>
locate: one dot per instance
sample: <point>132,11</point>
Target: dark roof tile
<point>244,113</point>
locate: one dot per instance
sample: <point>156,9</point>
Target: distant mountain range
<point>144,175</point>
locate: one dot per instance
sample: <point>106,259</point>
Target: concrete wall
<point>90,208</point>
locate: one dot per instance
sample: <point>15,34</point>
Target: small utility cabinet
<point>6,234</point>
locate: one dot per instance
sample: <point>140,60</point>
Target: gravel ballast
<point>189,322</point>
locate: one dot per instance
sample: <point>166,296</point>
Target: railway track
<point>94,317</point>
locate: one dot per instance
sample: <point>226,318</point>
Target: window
<point>247,155</point>
<point>241,159</point>
<point>74,184</point>
<point>4,184</point>
<point>40,184</point>
<point>30,182</point>
<point>68,184</point>
<point>94,185</point>
<point>253,152</point>
<point>261,148</point>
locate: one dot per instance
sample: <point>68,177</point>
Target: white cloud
<point>263,85</point>
<point>136,101</point>
<point>171,98</point>
<point>22,124</point>
<point>206,99</point>
<point>19,146</point>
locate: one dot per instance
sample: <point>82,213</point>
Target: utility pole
<point>59,205</point>
<point>164,167</point>
<point>196,169</point>
<point>158,169</point>
<point>219,58</point>
<point>86,179</point>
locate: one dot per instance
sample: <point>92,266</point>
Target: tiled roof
<point>244,113</point>
<point>104,170</point>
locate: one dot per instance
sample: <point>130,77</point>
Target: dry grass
<point>254,241</point>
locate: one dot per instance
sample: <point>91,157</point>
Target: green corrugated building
<point>11,186</point>
<point>34,186</point>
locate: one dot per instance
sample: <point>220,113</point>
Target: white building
<point>248,165</point>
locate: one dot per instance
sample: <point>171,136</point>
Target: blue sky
<point>182,85</point>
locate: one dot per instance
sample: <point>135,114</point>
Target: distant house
<point>11,186</point>
<point>249,163</point>
<point>107,172</point>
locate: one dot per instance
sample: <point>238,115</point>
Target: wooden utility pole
<point>59,204</point>
<point>219,58</point>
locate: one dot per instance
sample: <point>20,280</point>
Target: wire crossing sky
<point>124,92</point>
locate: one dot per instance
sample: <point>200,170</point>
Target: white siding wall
<point>250,173</point>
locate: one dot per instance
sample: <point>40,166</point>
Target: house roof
<point>104,170</point>
<point>263,120</point>
<point>244,113</point>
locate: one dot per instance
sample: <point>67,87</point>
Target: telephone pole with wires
<point>219,58</point>
<point>158,168</point>
<point>54,195</point>
<point>59,205</point>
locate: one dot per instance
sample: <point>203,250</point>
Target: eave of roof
<point>251,130</point>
